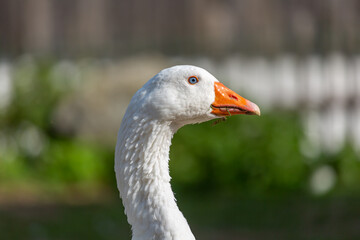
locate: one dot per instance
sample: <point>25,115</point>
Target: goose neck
<point>142,171</point>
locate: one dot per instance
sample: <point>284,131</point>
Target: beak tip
<point>256,109</point>
<point>257,112</point>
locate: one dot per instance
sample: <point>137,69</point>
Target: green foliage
<point>73,161</point>
<point>243,155</point>
<point>32,151</point>
<point>35,96</point>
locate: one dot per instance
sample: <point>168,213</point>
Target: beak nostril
<point>233,97</point>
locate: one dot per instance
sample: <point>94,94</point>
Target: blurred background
<point>69,68</point>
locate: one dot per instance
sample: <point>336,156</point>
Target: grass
<point>211,218</point>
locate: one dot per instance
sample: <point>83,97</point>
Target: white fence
<point>325,90</point>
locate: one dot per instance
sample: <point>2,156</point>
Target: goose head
<point>187,94</point>
<point>174,97</point>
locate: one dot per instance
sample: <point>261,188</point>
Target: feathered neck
<point>142,172</point>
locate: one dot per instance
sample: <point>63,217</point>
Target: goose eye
<point>193,80</point>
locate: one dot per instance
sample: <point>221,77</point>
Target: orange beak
<point>228,103</point>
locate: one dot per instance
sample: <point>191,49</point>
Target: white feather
<point>163,105</point>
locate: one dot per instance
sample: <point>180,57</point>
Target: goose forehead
<point>186,71</point>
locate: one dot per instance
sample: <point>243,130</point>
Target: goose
<point>174,97</point>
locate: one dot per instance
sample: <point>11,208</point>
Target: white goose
<point>174,97</point>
